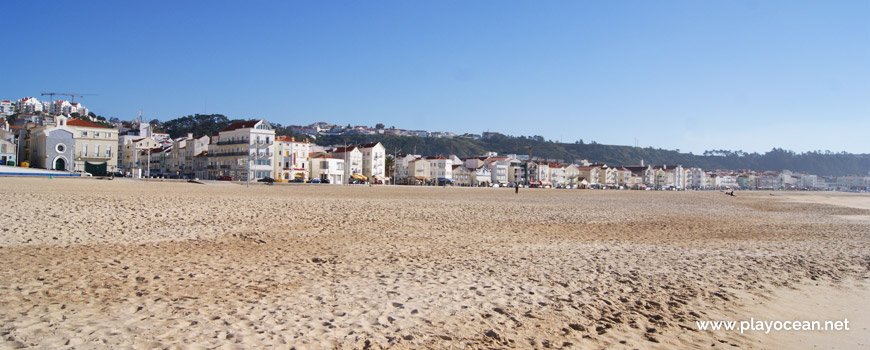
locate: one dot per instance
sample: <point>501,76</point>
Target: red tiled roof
<point>84,123</point>
<point>369,145</point>
<point>241,125</point>
<point>322,155</point>
<point>435,157</point>
<point>342,149</point>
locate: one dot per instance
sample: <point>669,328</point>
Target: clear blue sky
<point>688,75</point>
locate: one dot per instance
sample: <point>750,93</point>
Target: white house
<point>325,167</point>
<point>498,169</point>
<point>401,167</point>
<point>374,162</point>
<point>440,168</point>
<point>353,161</point>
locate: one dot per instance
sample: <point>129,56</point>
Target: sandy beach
<point>91,263</point>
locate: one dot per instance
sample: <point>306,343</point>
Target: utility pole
<point>148,169</point>
<point>346,168</point>
<point>395,163</point>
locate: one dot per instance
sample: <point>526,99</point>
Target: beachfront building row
<point>252,149</point>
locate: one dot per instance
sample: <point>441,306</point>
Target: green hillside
<point>819,163</point>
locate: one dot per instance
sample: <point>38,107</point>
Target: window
<point>84,133</point>
<point>84,150</point>
<point>60,148</point>
<point>97,150</point>
<point>96,134</point>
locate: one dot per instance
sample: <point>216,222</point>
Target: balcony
<point>103,156</point>
<point>232,142</point>
<point>228,154</point>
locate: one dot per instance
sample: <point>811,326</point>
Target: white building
<point>63,107</point>
<point>29,105</point>
<point>182,153</point>
<point>401,165</point>
<point>498,169</point>
<point>696,178</point>
<point>6,108</point>
<point>374,162</point>
<point>325,167</point>
<point>242,150</point>
<point>440,168</point>
<point>353,162</point>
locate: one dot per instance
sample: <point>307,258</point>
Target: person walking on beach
<point>517,188</point>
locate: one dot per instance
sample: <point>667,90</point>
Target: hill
<point>818,163</point>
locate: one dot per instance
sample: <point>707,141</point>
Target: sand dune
<point>127,264</point>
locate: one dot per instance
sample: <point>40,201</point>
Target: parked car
<point>267,180</point>
<point>298,179</point>
<point>324,181</point>
<point>116,174</point>
<point>314,181</point>
<point>225,178</point>
<point>83,173</point>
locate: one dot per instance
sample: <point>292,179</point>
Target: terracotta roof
<point>369,145</point>
<point>322,155</point>
<point>241,125</point>
<point>84,123</point>
<point>435,157</point>
<point>342,149</point>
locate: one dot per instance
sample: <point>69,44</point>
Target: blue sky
<point>688,75</point>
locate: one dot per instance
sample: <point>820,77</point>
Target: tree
<point>389,164</point>
<point>155,125</point>
<point>379,126</point>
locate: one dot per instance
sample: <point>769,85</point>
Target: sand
<point>92,263</point>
